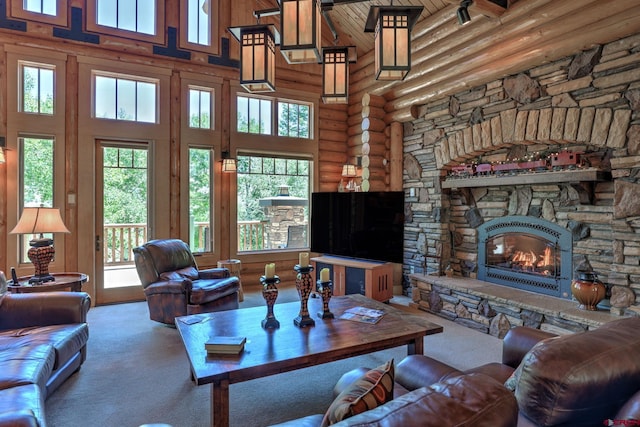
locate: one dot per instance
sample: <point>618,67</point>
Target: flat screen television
<point>367,225</point>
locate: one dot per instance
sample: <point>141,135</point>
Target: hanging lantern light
<point>392,26</point>
<point>335,73</point>
<point>300,28</point>
<point>257,56</point>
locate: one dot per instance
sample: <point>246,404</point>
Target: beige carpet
<point>137,372</point>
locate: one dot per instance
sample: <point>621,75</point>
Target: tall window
<point>46,7</point>
<point>122,98</point>
<point>255,115</point>
<point>199,28</point>
<point>36,179</point>
<point>200,192</point>
<point>200,108</point>
<point>37,95</point>
<point>132,15</point>
<point>273,201</point>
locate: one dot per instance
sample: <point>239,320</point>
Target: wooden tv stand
<point>353,276</point>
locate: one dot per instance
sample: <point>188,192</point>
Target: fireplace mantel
<point>576,175</point>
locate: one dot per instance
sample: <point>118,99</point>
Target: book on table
<point>225,345</point>
<point>362,314</point>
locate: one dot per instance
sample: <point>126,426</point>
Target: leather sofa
<point>584,379</point>
<point>43,338</point>
<point>174,286</point>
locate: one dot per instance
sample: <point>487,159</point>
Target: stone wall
<point>587,102</point>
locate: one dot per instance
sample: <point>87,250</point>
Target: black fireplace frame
<point>558,286</point>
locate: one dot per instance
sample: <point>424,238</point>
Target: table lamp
<point>39,221</point>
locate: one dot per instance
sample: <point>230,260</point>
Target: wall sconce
<point>228,164</point>
<point>335,73</point>
<point>300,31</point>
<point>392,26</point>
<point>349,171</point>
<point>463,12</point>
<point>257,56</point>
<point>39,221</point>
<point>3,147</point>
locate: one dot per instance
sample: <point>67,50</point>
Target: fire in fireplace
<point>526,253</point>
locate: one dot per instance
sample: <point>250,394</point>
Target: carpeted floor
<point>137,372</point>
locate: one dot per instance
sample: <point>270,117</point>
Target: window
<point>255,115</point>
<point>293,120</point>
<point>200,191</point>
<point>273,202</point>
<point>36,180</point>
<point>131,15</point>
<point>37,88</point>
<point>200,108</point>
<point>121,98</point>
<point>46,7</point>
<point>199,28</point>
<point>50,11</point>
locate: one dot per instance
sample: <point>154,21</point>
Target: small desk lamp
<point>39,221</point>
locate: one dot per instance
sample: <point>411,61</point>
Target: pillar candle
<point>269,270</point>
<point>324,275</point>
<point>304,259</point>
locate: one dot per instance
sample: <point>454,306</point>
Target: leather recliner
<point>174,286</point>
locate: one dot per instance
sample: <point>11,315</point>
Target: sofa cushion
<point>372,389</point>
<point>207,290</point>
<point>26,364</point>
<point>468,400</point>
<point>67,340</point>
<point>581,377</point>
<point>22,398</point>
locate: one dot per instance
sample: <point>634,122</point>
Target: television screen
<point>367,225</point>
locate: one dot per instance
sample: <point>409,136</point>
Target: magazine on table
<point>362,314</point>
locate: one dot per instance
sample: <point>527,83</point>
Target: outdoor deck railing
<point>120,239</point>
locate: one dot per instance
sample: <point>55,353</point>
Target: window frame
<point>276,146</point>
<point>91,20</point>
<point>213,47</point>
<point>41,66</point>
<point>274,101</point>
<point>18,11</point>
<point>124,76</point>
<point>22,125</point>
<point>202,138</point>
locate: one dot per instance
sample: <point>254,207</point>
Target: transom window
<point>273,202</point>
<point>256,115</point>
<point>125,98</point>
<point>46,7</point>
<point>200,108</point>
<point>131,15</point>
<point>37,95</point>
<point>199,28</point>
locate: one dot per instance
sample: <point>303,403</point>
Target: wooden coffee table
<point>273,351</point>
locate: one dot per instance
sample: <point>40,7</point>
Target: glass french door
<point>122,218</point>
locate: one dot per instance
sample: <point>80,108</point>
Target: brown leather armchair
<point>173,285</point>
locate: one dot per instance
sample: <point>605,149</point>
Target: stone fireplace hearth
<point>589,104</point>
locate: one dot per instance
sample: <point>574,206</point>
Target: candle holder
<point>270,295</point>
<point>326,290</point>
<point>304,285</point>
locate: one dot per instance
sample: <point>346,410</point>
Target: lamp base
<point>39,279</point>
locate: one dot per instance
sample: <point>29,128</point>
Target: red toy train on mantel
<point>561,160</point>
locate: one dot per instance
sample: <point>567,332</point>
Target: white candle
<point>304,259</point>
<point>269,270</point>
<point>324,275</point>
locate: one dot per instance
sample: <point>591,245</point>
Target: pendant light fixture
<point>257,56</point>
<point>300,26</point>
<point>335,73</point>
<point>463,12</point>
<point>392,26</point>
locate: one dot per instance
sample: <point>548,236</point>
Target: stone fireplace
<point>458,230</point>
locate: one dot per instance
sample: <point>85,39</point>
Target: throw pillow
<point>369,391</point>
